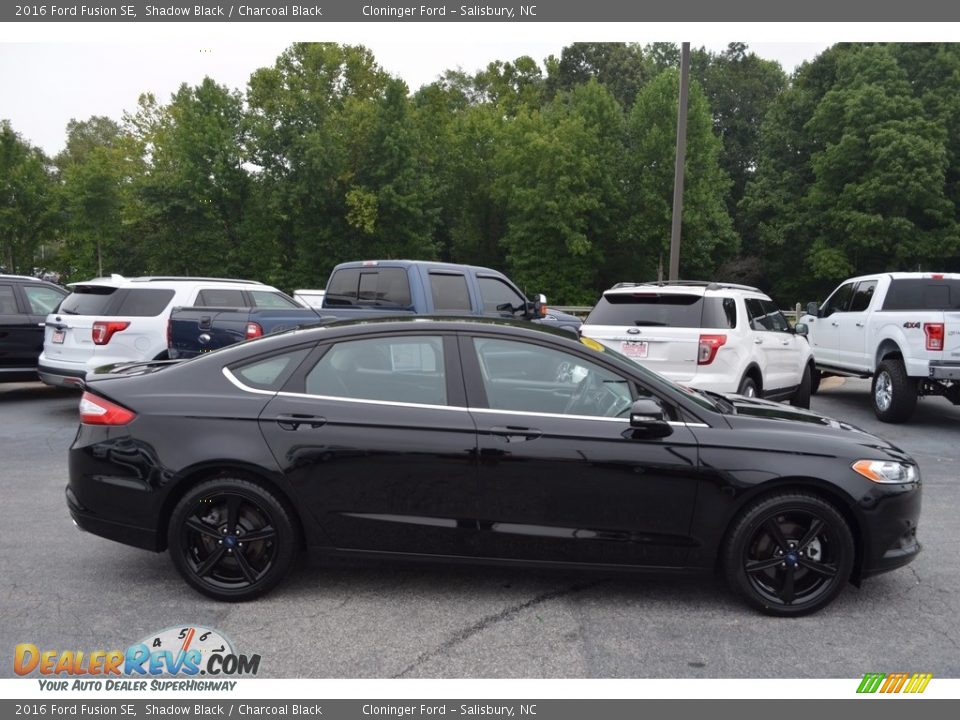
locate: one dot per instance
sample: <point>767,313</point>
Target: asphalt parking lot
<point>69,590</point>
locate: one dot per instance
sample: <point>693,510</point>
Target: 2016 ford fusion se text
<point>461,439</point>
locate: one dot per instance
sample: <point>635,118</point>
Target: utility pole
<point>681,159</point>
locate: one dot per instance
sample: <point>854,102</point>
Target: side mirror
<point>801,329</point>
<point>813,309</point>
<point>646,419</point>
<point>540,305</point>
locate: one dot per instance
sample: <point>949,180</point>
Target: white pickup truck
<point>901,329</point>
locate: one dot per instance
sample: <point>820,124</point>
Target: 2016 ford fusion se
<point>474,439</point>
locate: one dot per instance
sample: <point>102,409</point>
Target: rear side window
<point>88,300</point>
<point>8,303</point>
<point>143,302</point>
<point>379,287</point>
<point>653,309</point>
<point>923,294</point>
<point>267,299</point>
<point>221,297</point>
<point>270,373</point>
<point>863,295</point>
<point>449,292</point>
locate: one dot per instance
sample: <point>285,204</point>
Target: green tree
<point>707,235</point>
<point>621,67</point>
<point>560,195</point>
<point>27,216</point>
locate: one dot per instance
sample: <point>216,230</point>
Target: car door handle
<point>785,342</point>
<point>835,323</point>
<point>516,434</point>
<point>758,341</point>
<point>859,324</point>
<point>293,421</point>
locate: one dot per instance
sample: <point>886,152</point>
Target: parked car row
<point>901,329</point>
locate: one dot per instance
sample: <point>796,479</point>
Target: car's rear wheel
<point>789,554</point>
<point>801,398</point>
<point>894,392</point>
<point>232,539</point>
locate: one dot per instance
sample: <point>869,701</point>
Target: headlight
<point>887,471</point>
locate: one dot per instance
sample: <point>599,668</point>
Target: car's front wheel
<point>231,539</point>
<point>801,398</point>
<point>789,554</point>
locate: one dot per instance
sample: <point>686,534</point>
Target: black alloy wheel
<point>231,539</point>
<point>789,554</point>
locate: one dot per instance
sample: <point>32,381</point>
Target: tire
<point>222,512</point>
<point>815,377</point>
<point>748,387</point>
<point>801,398</point>
<point>894,393</point>
<point>789,554</point>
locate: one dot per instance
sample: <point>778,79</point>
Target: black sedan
<point>479,439</point>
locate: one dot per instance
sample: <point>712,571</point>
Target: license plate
<point>634,349</point>
<point>58,336</point>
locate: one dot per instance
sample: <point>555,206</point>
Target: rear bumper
<point>111,529</point>
<point>61,377</point>
<point>944,371</point>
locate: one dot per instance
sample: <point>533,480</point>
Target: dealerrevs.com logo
<point>894,683</point>
<point>186,652</point>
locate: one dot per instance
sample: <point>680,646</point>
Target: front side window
<point>525,377</point>
<point>839,301</point>
<point>408,369</point>
<point>43,300</point>
<point>764,315</point>
<point>496,295</point>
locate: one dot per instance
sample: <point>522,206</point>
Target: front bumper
<point>891,515</point>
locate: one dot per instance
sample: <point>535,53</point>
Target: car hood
<point>756,412</point>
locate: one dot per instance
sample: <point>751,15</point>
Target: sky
<point>43,85</point>
<point>51,73</point>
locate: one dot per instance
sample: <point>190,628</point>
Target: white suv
<point>710,336</point>
<point>118,319</point>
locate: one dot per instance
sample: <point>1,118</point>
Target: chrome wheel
<point>883,391</point>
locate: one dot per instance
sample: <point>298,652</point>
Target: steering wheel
<point>585,389</point>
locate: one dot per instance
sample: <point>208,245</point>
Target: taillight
<point>253,330</point>
<point>934,333</point>
<point>709,344</point>
<point>95,410</point>
<point>103,330</point>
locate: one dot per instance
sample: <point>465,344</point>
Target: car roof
<point>30,279</point>
<point>686,287</point>
<point>932,275</point>
<point>428,264</point>
<point>119,281</point>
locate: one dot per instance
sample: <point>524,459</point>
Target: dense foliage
<point>560,175</point>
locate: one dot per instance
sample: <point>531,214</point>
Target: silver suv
<point>118,319</point>
<point>710,336</point>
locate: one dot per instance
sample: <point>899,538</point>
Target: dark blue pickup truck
<point>371,288</point>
